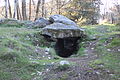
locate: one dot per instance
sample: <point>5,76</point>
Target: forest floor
<point>24,55</point>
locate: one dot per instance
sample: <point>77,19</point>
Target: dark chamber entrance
<point>67,46</point>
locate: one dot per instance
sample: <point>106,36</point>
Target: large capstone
<point>59,30</point>
<point>65,33</point>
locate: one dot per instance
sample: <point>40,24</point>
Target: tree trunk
<point>24,15</point>
<point>6,9</point>
<point>16,9</point>
<point>58,4</point>
<point>51,10</point>
<point>37,10</point>
<point>19,12</point>
<point>30,10</point>
<point>10,13</point>
<point>43,7</point>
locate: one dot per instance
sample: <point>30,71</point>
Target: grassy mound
<point>22,53</point>
<point>107,47</point>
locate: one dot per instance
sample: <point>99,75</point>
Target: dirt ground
<point>82,70</point>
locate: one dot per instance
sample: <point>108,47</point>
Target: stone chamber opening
<point>67,46</point>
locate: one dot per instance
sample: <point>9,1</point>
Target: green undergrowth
<point>107,47</point>
<point>22,56</point>
<point>19,59</point>
<point>13,23</point>
<point>114,43</point>
<point>81,50</point>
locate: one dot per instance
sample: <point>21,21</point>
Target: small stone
<point>108,50</point>
<point>111,74</point>
<point>90,43</point>
<point>110,38</point>
<point>118,49</point>
<point>97,72</point>
<point>92,48</point>
<point>36,50</point>
<point>85,54</point>
<point>64,62</point>
<point>37,40</point>
<point>52,62</point>
<point>39,73</point>
<point>33,74</point>
<point>47,49</point>
<point>47,69</point>
<point>86,50</point>
<point>46,53</point>
<point>108,71</point>
<point>83,42</point>
<point>37,45</point>
<point>101,65</point>
<point>49,57</point>
<point>105,45</point>
<point>30,58</point>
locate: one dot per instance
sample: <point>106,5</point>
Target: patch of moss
<point>114,43</point>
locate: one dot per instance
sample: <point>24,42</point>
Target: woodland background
<point>81,11</point>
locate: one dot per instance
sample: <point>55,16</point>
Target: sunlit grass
<point>15,48</point>
<point>106,56</point>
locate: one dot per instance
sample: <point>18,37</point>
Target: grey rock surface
<point>59,30</point>
<point>1,21</point>
<point>61,19</point>
<point>40,23</point>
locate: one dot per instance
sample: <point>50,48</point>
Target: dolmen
<point>65,33</point>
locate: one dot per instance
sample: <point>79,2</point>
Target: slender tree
<point>51,9</point>
<point>117,6</point>
<point>16,9</point>
<point>43,8</point>
<point>30,10</point>
<point>37,10</point>
<point>6,9</point>
<point>19,12</point>
<point>2,11</point>
<point>24,15</point>
<point>10,13</point>
<point>58,6</point>
<point>33,3</point>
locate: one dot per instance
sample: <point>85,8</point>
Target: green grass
<point>114,43</point>
<point>81,51</point>
<point>110,59</point>
<point>14,61</point>
<point>13,23</point>
<point>16,45</point>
